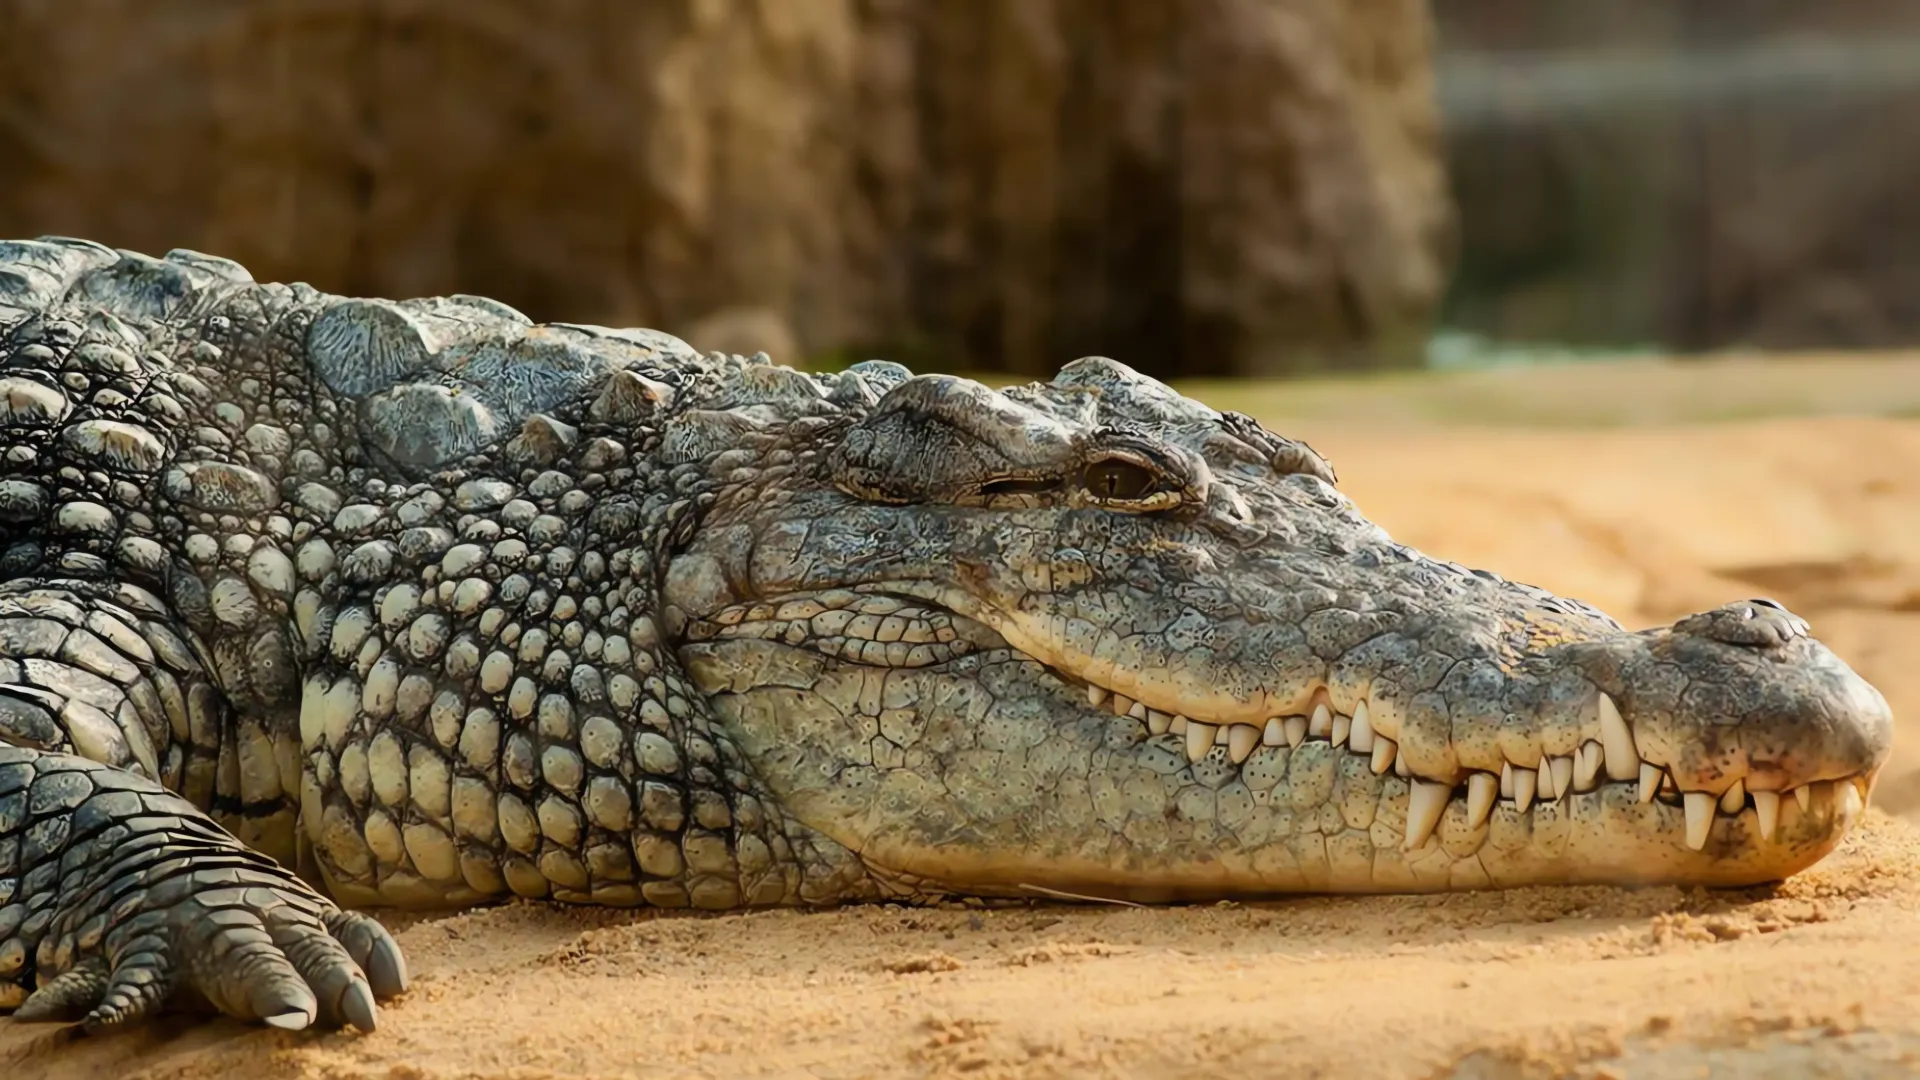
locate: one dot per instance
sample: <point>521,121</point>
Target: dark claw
<point>356,1006</point>
<point>387,968</point>
<point>289,1021</point>
<point>286,1004</point>
<point>323,953</point>
<point>373,949</point>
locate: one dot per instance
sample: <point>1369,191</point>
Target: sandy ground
<point>1819,976</point>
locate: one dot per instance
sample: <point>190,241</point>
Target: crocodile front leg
<point>104,671</point>
<point>146,676</point>
<point>119,898</point>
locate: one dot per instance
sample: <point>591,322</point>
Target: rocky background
<point>1194,186</point>
<point>1199,187</point>
<point>1690,174</point>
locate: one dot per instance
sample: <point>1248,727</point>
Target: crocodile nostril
<point>1758,623</point>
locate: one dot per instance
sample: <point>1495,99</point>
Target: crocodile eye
<point>1120,481</point>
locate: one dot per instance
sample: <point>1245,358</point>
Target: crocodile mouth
<point>1597,767</point>
<point>911,626</point>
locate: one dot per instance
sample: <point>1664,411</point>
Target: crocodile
<point>313,604</point>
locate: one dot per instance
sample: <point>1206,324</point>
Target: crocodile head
<point>1094,637</point>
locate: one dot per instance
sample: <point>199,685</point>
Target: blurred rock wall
<point>1692,173</point>
<point>1194,186</point>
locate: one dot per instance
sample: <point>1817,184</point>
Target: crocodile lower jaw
<point>1593,767</point>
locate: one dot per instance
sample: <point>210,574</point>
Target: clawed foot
<point>230,939</point>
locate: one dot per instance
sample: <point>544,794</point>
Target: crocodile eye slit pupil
<point>1118,480</point>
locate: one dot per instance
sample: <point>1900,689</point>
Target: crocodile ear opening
<point>1020,485</point>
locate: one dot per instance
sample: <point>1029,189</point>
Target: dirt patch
<point>1534,982</point>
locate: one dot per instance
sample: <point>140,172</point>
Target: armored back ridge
<point>313,601</point>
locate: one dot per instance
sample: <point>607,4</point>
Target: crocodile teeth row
<point>1241,740</point>
<point>1614,754</point>
<point>1427,800</point>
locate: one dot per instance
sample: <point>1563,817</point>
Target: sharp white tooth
<point>1241,741</point>
<point>1120,704</point>
<point>1296,730</point>
<point>1847,800</point>
<point>1275,733</point>
<point>1766,807</point>
<point>1623,759</point>
<point>1321,726</point>
<point>1545,786</point>
<point>1401,769</point>
<point>1735,797</point>
<point>1158,722</point>
<point>1804,796</point>
<point>1179,725</point>
<point>1342,725</point>
<point>1506,779</point>
<point>1221,733</point>
<point>1199,739</point>
<point>1096,695</point>
<point>1426,801</point>
<point>1138,711</point>
<point>1383,749</point>
<point>1524,781</point>
<point>1699,818</point>
<point>1482,789</point>
<point>1360,739</point>
<point>1586,765</point>
<point>1562,777</point>
<point>1650,775</point>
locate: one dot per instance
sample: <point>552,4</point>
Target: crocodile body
<point>313,603</point>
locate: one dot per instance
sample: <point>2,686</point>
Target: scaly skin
<point>435,606</point>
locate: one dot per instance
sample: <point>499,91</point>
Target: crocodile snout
<point>1740,706</point>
